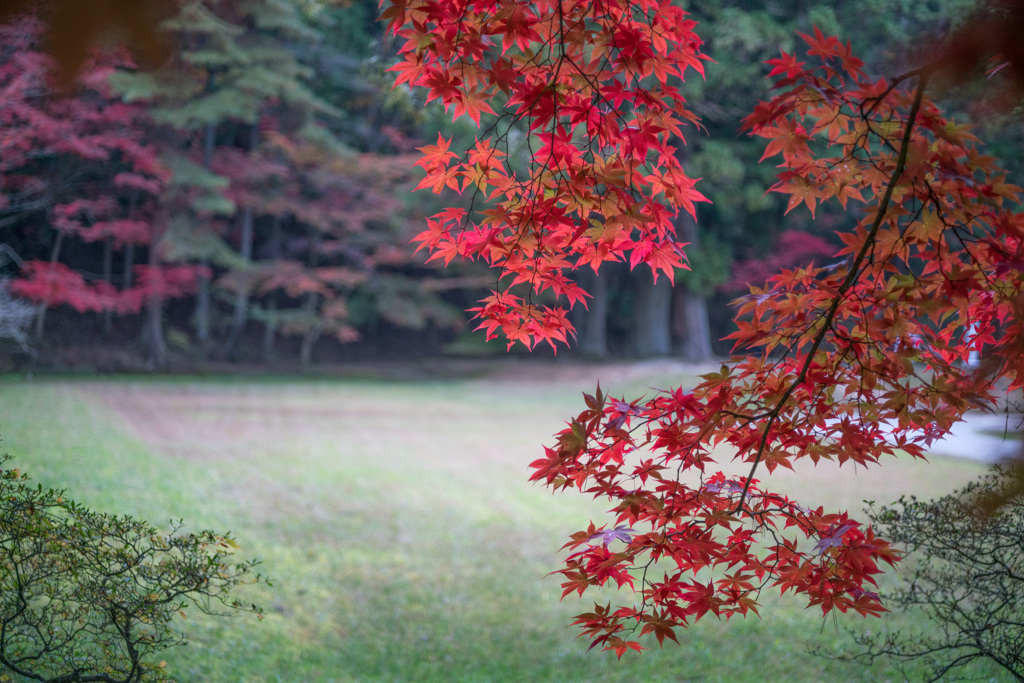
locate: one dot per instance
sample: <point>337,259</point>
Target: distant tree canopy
<point>238,173</point>
<point>216,193</point>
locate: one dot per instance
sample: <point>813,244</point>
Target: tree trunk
<point>127,271</point>
<point>41,315</point>
<point>108,276</point>
<point>128,274</point>
<point>311,335</point>
<point>155,332</point>
<point>209,137</point>
<point>128,267</point>
<point>269,334</point>
<point>690,307</point>
<point>592,322</point>
<point>241,314</point>
<point>652,308</point>
<point>270,327</point>
<point>155,304</point>
<point>691,325</point>
<point>203,306</point>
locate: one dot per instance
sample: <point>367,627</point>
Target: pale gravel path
<point>978,437</point>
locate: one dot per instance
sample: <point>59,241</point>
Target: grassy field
<point>395,520</point>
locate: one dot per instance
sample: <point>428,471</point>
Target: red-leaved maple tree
<point>850,360</point>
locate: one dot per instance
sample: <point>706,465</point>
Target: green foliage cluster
<point>87,596</point>
<point>965,575</point>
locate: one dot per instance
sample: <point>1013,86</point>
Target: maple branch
<point>848,282</point>
<point>923,72</point>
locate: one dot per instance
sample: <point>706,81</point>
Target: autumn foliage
<point>851,359</point>
<point>103,187</point>
<point>594,87</point>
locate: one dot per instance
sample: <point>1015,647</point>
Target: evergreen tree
<point>234,67</point>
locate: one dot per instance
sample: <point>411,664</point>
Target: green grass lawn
<point>396,522</point>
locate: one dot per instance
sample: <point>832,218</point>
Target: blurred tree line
<point>249,194</point>
<point>249,199</point>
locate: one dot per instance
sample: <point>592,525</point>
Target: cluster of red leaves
<point>846,362</point>
<point>101,218</point>
<point>594,86</point>
<point>55,284</point>
<point>87,134</point>
<point>793,248</point>
<point>336,198</point>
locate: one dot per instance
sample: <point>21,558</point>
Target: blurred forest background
<point>250,200</point>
